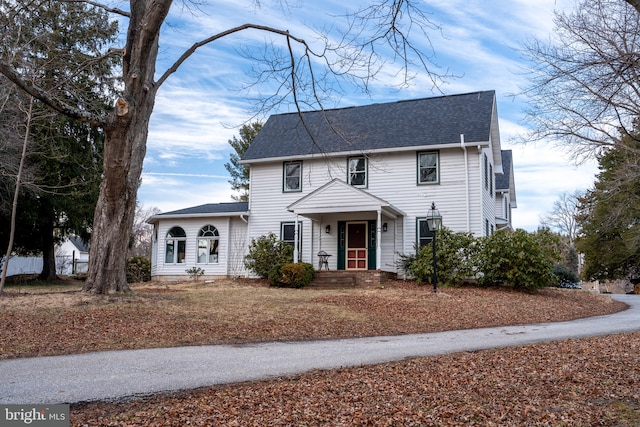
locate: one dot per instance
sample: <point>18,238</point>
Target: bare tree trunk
<point>14,209</point>
<point>115,210</point>
<point>124,150</point>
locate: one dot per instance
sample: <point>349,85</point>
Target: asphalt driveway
<point>114,375</point>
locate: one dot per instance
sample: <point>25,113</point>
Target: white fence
<point>22,265</point>
<point>33,265</point>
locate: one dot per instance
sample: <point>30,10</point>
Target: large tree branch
<point>37,92</point>
<point>228,32</point>
<point>102,6</point>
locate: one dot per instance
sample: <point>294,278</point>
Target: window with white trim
<point>208,245</point>
<point>357,173</point>
<point>428,168</point>
<point>292,176</point>
<point>175,246</point>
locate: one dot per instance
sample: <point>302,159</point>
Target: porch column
<point>378,239</point>
<point>296,249</point>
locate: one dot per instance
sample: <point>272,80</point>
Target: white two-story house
<point>356,183</point>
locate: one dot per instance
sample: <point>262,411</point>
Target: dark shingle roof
<point>503,180</point>
<point>418,122</point>
<point>211,208</point>
<point>80,244</point>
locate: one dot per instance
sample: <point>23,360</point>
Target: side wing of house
<point>505,192</point>
<point>210,237</point>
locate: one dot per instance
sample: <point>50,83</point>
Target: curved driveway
<point>113,375</point>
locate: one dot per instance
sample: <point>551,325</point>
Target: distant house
<point>72,257</point>
<point>355,183</point>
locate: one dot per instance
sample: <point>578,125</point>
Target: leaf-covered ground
<point>584,382</point>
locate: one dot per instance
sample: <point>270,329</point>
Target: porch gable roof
<point>336,196</point>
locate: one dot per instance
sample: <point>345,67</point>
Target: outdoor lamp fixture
<point>327,229</point>
<point>434,221</point>
<point>384,227</point>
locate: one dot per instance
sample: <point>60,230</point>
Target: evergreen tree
<point>240,173</point>
<point>65,155</point>
<point>610,216</point>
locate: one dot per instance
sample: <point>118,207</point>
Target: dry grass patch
<point>593,381</point>
<point>41,322</point>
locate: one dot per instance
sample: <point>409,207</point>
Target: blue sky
<point>202,105</point>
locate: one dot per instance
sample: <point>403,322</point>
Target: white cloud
<point>200,107</point>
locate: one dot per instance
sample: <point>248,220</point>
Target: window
<point>287,230</point>
<point>491,178</point>
<point>428,168</point>
<point>292,179</point>
<point>424,235</point>
<point>506,207</point>
<point>357,174</point>
<point>176,244</point>
<point>485,171</point>
<point>208,243</point>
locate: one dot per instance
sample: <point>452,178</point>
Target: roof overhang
<point>156,218</point>
<point>359,152</point>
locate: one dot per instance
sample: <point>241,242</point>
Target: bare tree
<point>562,217</point>
<point>385,29</point>
<point>585,83</point>
<point>14,207</point>
<point>142,232</point>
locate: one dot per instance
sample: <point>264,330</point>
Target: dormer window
<point>357,173</point>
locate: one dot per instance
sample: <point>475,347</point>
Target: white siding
<point>232,244</point>
<point>391,177</point>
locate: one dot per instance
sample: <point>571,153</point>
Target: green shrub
<point>291,275</point>
<point>565,275</point>
<point>138,269</point>
<point>519,259</point>
<point>455,257</point>
<point>265,252</point>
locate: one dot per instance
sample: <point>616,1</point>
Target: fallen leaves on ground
<point>231,312</point>
<point>584,382</point>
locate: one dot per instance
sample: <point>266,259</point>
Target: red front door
<point>356,246</point>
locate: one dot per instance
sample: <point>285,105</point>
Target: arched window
<point>208,244</point>
<point>176,245</point>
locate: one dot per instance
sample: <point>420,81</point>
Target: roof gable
<point>338,196</point>
<point>385,126</point>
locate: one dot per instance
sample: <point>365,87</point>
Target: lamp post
<point>434,221</point>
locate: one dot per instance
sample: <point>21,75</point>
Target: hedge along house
<point>355,183</point>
